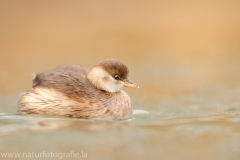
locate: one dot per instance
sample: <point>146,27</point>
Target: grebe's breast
<point>118,106</point>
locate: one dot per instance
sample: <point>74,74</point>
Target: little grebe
<point>75,91</point>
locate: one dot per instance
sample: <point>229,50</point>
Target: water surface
<point>166,133</point>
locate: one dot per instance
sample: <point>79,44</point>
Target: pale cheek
<point>115,87</point>
<point>119,87</point>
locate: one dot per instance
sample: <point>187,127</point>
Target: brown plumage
<point>75,91</point>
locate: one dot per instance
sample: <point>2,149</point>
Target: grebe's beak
<point>129,83</point>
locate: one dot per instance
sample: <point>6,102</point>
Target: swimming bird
<point>75,91</point>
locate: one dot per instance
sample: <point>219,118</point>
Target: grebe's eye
<point>117,77</point>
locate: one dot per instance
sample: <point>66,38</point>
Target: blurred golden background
<point>184,55</point>
<point>166,44</point>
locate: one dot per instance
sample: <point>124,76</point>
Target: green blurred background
<point>168,45</point>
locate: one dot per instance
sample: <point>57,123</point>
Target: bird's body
<point>78,92</point>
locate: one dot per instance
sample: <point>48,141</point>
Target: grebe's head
<point>110,75</point>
